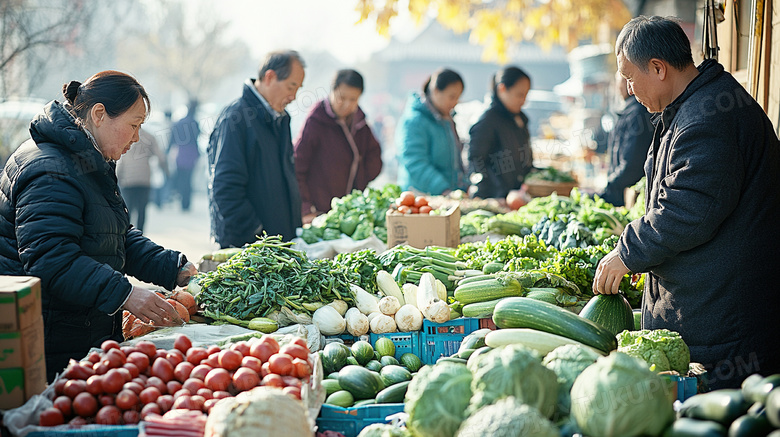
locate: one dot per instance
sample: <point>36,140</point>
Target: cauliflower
<point>664,348</point>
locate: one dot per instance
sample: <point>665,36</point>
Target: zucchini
<point>474,340</point>
<point>393,394</point>
<point>521,312</point>
<point>465,353</point>
<point>749,426</point>
<point>475,355</point>
<point>480,310</point>
<point>489,289</point>
<point>492,267</point>
<point>722,406</point>
<point>540,341</point>
<point>685,427</point>
<point>773,407</point>
<point>476,278</point>
<point>612,311</point>
<point>758,390</point>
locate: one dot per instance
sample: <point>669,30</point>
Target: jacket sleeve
<point>230,175</point>
<point>305,145</point>
<point>633,143</point>
<point>701,189</point>
<point>149,262</point>
<point>373,157</point>
<point>482,137</point>
<point>49,228</point>
<point>414,147</point>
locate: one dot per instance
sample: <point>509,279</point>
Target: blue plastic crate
<point>350,421</point>
<point>404,342</point>
<point>443,339</point>
<point>88,431</point>
<point>346,338</point>
<point>685,386</point>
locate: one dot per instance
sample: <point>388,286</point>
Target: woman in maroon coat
<point>335,151</point>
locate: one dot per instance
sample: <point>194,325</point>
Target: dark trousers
<point>136,199</point>
<point>184,186</point>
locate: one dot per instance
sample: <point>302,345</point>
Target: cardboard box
<point>22,365</point>
<point>421,230</point>
<point>20,302</point>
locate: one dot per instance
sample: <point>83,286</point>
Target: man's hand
<point>185,273</point>
<point>150,308</point>
<point>609,273</point>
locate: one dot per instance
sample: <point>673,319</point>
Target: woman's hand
<point>609,273</point>
<point>150,308</point>
<point>185,273</point>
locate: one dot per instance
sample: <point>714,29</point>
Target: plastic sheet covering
<point>330,248</point>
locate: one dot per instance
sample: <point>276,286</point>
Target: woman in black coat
<point>500,145</point>
<point>63,220</point>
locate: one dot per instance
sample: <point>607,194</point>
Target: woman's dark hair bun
<point>70,90</point>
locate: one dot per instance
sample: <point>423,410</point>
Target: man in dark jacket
<point>252,185</point>
<point>708,239</point>
<point>627,146</point>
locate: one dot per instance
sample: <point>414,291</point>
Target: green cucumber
<point>757,391</point>
<point>393,394</point>
<point>521,312</point>
<point>749,426</point>
<point>722,406</point>
<point>480,309</point>
<point>773,407</point>
<point>489,289</point>
<point>465,354</point>
<point>685,427</point>
<point>475,340</point>
<point>492,267</point>
<point>611,311</point>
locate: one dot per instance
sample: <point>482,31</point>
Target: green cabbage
<point>568,362</point>
<point>383,430</point>
<point>507,418</point>
<point>664,348</point>
<point>513,370</point>
<point>620,396</point>
<point>437,398</point>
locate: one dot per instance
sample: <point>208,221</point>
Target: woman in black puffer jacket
<point>63,220</point>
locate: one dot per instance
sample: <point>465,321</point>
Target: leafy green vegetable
<point>549,174</point>
<point>619,396</point>
<point>513,370</point>
<point>568,362</point>
<point>357,215</point>
<point>664,348</point>
<point>361,266</point>
<point>437,398</point>
<point>507,418</point>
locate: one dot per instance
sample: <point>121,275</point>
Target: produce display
<point>123,385</point>
<point>663,349</point>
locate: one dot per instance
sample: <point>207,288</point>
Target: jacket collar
<point>324,108</point>
<point>709,70</point>
<point>496,104</point>
<point>249,89</point>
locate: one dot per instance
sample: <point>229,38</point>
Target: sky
<point>313,25</point>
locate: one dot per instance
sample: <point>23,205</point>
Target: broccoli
<point>664,348</point>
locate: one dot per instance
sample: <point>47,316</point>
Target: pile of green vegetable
<point>267,276</point>
<point>357,215</point>
<point>549,174</point>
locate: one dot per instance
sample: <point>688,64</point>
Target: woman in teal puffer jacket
<point>428,147</point>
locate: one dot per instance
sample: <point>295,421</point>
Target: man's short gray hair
<point>644,38</point>
<point>280,63</point>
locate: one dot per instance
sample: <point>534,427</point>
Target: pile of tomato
<point>122,385</point>
<point>408,203</point>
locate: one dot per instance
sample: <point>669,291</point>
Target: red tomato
<point>300,342</point>
<point>253,363</point>
<point>230,359</point>
<point>291,381</point>
<point>213,349</point>
<point>242,347</point>
<point>77,370</point>
<point>149,395</point>
<point>150,409</point>
<point>95,385</point>
<point>281,364</point>
<point>127,350</point>
<point>272,380</point>
<point>104,400</point>
<point>404,209</point>
<point>209,404</point>
<point>245,379</point>
<point>182,343</point>
<point>200,371</point>
<point>59,385</point>
<point>218,379</point>
<point>292,391</point>
<point>127,400</point>
<point>74,387</point>
<point>414,210</point>
<point>93,357</point>
<point>133,386</point>
<point>130,417</point>
<point>77,421</point>
<point>406,198</point>
<point>425,209</point>
<point>51,417</point>
<point>183,370</point>
<point>108,415</point>
<point>158,383</point>
<point>264,348</point>
<point>162,369</point>
<point>101,368</point>
<point>133,369</point>
<point>420,201</point>
<point>206,393</point>
<point>181,392</point>
<point>85,405</point>
<point>193,385</point>
<point>161,353</point>
<point>301,368</point>
<point>295,351</point>
<point>212,360</point>
<point>197,402</point>
<point>126,373</point>
<point>173,386</point>
<point>109,344</point>
<point>196,354</point>
<point>265,369</point>
<point>113,381</point>
<point>175,356</point>
<point>64,404</point>
<point>147,347</point>
<point>165,402</point>
<point>182,403</point>
<point>221,395</point>
<point>114,358</point>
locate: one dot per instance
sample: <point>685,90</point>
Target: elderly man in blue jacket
<point>252,184</point>
<point>709,236</point>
